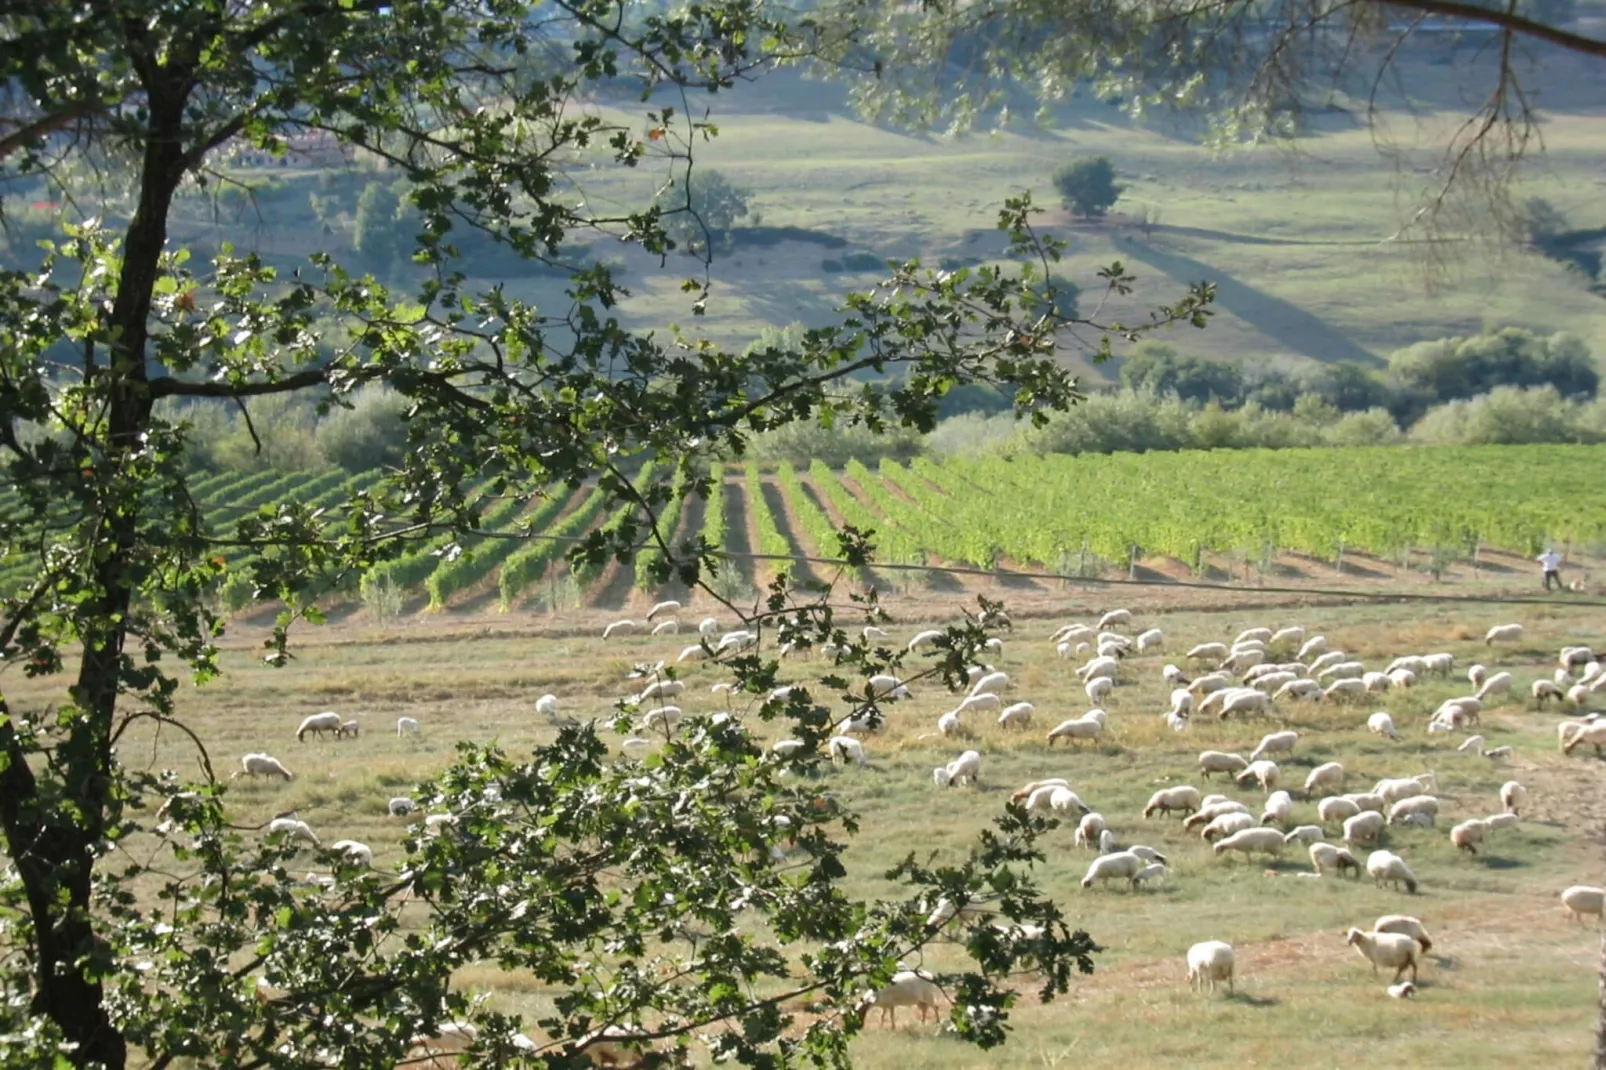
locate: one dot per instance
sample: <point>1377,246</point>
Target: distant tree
<point>1347,387</point>
<point>1160,369</point>
<point>700,213</point>
<point>1451,368</point>
<point>1087,186</point>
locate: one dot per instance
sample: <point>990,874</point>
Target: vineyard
<point>1056,513</point>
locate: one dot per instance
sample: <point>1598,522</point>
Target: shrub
<point>802,442</point>
<point>702,211</point>
<point>1087,186</point>
<point>1506,416</point>
<point>370,434</point>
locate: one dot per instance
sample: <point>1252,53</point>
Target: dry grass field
<point>1510,981</point>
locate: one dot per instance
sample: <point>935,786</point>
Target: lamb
<point>1502,633</point>
<point>966,768</point>
<point>1275,743</point>
<point>318,724</point>
<point>254,765</point>
<point>1329,776</point>
<point>1122,865</point>
<point>1153,639</point>
<point>1498,684</point>
<point>908,988</point>
<point>618,626</point>
<point>1227,825</point>
<point>405,725</point>
<point>1152,872</point>
<point>1386,866</point>
<point>1468,834</point>
<point>547,705</point>
<point>1306,834</point>
<point>1114,617</point>
<point>1512,796</point>
<point>1215,761</point>
<point>1263,772</point>
<point>1165,800</point>
<point>844,749</point>
<point>1253,840</point>
<point>358,854</point>
<point>1394,951</point>
<point>1279,808</point>
<point>1075,728</point>
<point>294,829</point>
<point>1316,644</point>
<point>1336,808</point>
<point>1364,827</point>
<point>1208,652</point>
<point>1088,830</point>
<point>401,806</point>
<point>1583,899</point>
<point>1404,925</point>
<point>1098,689</point>
<point>1325,856</point>
<point>1017,716</point>
<point>949,725</point>
<point>1414,804</point>
<point>1106,842</point>
<point>1209,963</point>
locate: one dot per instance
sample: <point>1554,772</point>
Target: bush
<point>1457,368</point>
<point>703,211</point>
<point>802,442</point>
<point>1087,186</point>
<point>220,438</point>
<point>1508,416</point>
<point>972,433</point>
<point>370,434</point>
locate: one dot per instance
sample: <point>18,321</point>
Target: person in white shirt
<point>1550,561</point>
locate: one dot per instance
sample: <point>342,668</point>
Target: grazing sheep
<point>358,854</point>
<point>1210,962</point>
<point>1210,683</point>
<point>660,689</point>
<point>1566,730</point>
<point>1066,801</point>
<point>1149,854</point>
<point>1098,689</point>
<point>1175,676</point>
<point>1272,681</point>
<point>992,683</point>
<point>1107,842</point>
<point>1403,990</point>
<point>965,768</point>
<point>1593,734</point>
<point>1275,743</point>
<point>1299,689</point>
<point>1393,951</point>
<point>1502,633</point>
<point>1265,773</point>
<point>1215,761</point>
<point>908,988</point>
<point>1573,656</point>
<point>1325,856</point>
<point>885,685</point>
<point>1468,834</point>
<point>1336,808</point>
<point>1306,834</point>
<point>637,747</point>
<point>1476,674</point>
<point>1088,830</point>
<point>1366,800</point>
<point>1154,871</point>
<point>1386,866</point>
<point>1414,804</point>
<point>1332,657</point>
<point>1121,617</point>
<point>294,829</point>
<point>1246,701</point>
<point>1472,743</point>
<point>254,765</point>
<point>1165,800</point>
<point>1512,796</point>
<point>1393,789</point>
<point>1402,679</point>
<point>1076,728</point>
<point>870,631</point>
<point>1439,664</point>
<point>1253,840</point>
<point>692,653</point>
<point>1502,821</point>
<point>405,725</point>
<point>1099,666</point>
<point>1122,865</point>
<point>1498,684</point>
<point>1279,808</point>
<point>1207,652</point>
<point>844,749</point>
<point>924,640</point>
<point>318,724</point>
<point>1363,827</point>
<point>401,806</point>
<point>1380,723</point>
<point>1347,688</point>
<point>1242,661</point>
<point>437,824</point>
<point>1153,639</point>
<point>1292,634</point>
<point>668,605</point>
<point>1404,925</point>
<point>1021,794</point>
<point>1583,899</point>
<point>1211,809</point>
<point>707,626</point>
<point>1343,670</point>
<point>1017,716</point>
<point>618,626</point>
<point>666,627</point>
<point>1316,644</point>
<point>1376,681</point>
<point>1545,689</point>
<point>1329,776</point>
<point>949,725</point>
<point>1227,825</point>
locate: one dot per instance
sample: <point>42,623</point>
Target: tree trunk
<point>1600,1018</point>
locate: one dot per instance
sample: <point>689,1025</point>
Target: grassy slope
<point>1510,982</point>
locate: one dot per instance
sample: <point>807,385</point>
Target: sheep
<point>1329,776</point>
<point>1325,856</point>
<point>1583,899</point>
<point>1332,657</point>
<point>1578,694</point>
<point>1544,689</point>
<point>1316,644</point>
<point>950,726</point>
<point>1403,990</point>
<point>1279,808</point>
<point>924,640</point>
<point>1181,701</point>
<point>1476,674</point>
<point>1336,808</point>
<point>1122,617</point>
<point>844,749</point>
<point>357,854</point>
<point>1209,963</point>
<point>1376,681</point>
<point>618,626</point>
<point>1306,834</point>
<point>448,1038</point>
<point>1210,683</point>
<point>1070,633</point>
<point>1275,743</point>
<point>707,626</point>
<point>405,725</point>
<point>1165,800</point>
<point>992,683</point>
<point>1021,794</point>
<point>1243,660</point>
<point>254,765</point>
<point>696,652</point>
<point>1064,800</point>
<point>1207,652</point>
<point>1502,633</point>
<point>636,747</point>
<point>908,988</point>
<point>666,627</point>
<point>1404,925</point>
<point>1498,684</point>
<point>1153,639</point>
<point>1089,829</point>
<point>1247,701</point>
<point>1502,821</point>
<point>1215,761</point>
<point>1412,663</point>
<point>870,631</point>
<point>1343,670</point>
<point>660,689</point>
<point>1227,825</point>
<point>947,911</point>
<point>1414,804</point>
<point>663,715</point>
<point>1152,872</point>
<point>1292,634</point>
<point>885,685</point>
<point>1271,681</point>
<point>1468,834</point>
<point>1301,688</point>
<point>966,768</point>
<point>1122,865</point>
<point>1111,650</point>
<point>1393,789</point>
<point>1099,666</point>
<point>1381,724</point>
<point>1472,743</point>
<point>1263,772</point>
<point>1253,840</point>
<point>1593,734</point>
<point>741,639</point>
<point>1149,854</point>
<point>1416,821</point>
<point>1512,796</point>
<point>1439,664</point>
<point>294,829</point>
<point>1402,679</point>
<point>1572,656</point>
<point>1346,688</point>
<point>1386,866</point>
<point>401,806</point>
<point>1017,716</point>
<point>1076,728</point>
<point>318,724</point>
<point>1394,951</point>
<point>1363,827</point>
<point>437,824</point>
<point>1210,810</point>
<point>1174,676</point>
<point>1098,689</point>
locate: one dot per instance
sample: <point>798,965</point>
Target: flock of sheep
<point>1249,676</point>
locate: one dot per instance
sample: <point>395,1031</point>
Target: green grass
<point>1510,982</point>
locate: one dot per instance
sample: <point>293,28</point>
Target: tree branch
<point>48,124</point>
<point>1589,46</point>
<point>167,386</point>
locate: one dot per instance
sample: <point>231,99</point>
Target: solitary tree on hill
<point>1087,186</point>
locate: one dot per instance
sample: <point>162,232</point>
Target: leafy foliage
<point>1088,187</point>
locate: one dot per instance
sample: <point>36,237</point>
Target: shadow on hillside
<point>1283,322</point>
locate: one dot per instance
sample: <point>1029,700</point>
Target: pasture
<point>1509,982</point>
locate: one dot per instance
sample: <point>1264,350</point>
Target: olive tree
<point>694,898</point>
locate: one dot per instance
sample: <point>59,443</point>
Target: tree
<point>700,209</point>
<point>374,232</point>
<point>585,874</point>
<point>1087,186</point>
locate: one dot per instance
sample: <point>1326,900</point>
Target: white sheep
<point>992,683</point>
<point>1472,743</point>
<point>1311,647</point>
<point>1468,834</point>
<point>1402,679</point>
<point>1122,865</point>
<point>1121,617</point>
<point>1226,825</point>
<point>1512,796</point>
<point>964,769</point>
<point>1215,761</point>
<point>1380,723</point>
<point>1275,743</point>
<point>1404,925</point>
<point>1541,690</point>
<point>1272,682</point>
<point>1583,899</point>
<point>1593,734</point>
<point>1154,871</point>
<point>1299,689</point>
<point>844,749</point>
<point>1208,652</point>
<point>660,689</point>
<point>908,988</point>
<point>318,724</point>
<point>293,828</point>
<point>1099,666</point>
<point>1278,809</point>
<point>1089,829</point>
<point>1426,805</point>
<point>547,705</point>
<point>1393,789</point>
<point>1183,797</point>
<point>1098,689</point>
<point>1376,681</point>
<point>985,701</point>
<point>1209,963</point>
<point>1336,808</point>
<point>401,806</point>
<point>1306,834</point>
<point>437,824</point>
<point>356,853</point>
<point>254,765</point>
<point>1363,827</point>
<point>870,631</point>
<point>1502,633</point>
<point>405,725</point>
<point>1212,808</point>
<point>1210,683</point>
<point>1439,664</point>
<point>950,726</point>
<point>1498,684</point>
<point>1367,800</point>
<point>668,605</point>
<point>885,685</point>
<point>1394,951</point>
<point>1291,634</point>
<point>692,653</point>
<point>1153,639</point>
<point>1476,674</point>
<point>1343,670</point>
<point>1077,728</point>
<point>1265,773</point>
<point>1502,821</point>
<point>618,626</point>
<point>636,747</point>
<point>1342,689</point>
<point>707,626</point>
<point>666,627</point>
<point>1388,867</point>
<point>1018,715</point>
<point>1329,776</point>
<point>1245,701</point>
<point>1326,856</point>
<point>924,640</point>
<point>1253,841</point>
<point>1332,657</point>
